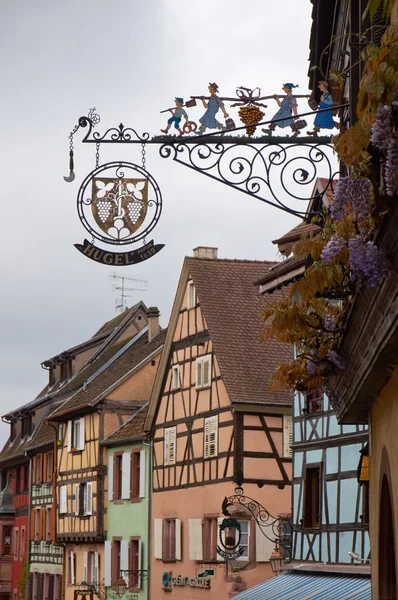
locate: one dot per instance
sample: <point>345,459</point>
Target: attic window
<point>26,426</point>
<point>13,430</point>
<point>191,295</point>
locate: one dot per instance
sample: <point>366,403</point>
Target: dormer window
<point>13,430</point>
<point>26,426</point>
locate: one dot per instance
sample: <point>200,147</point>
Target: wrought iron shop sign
<point>119,204</point>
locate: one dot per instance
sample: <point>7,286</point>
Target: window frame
<point>248,544</point>
<point>116,558</point>
<point>175,378</point>
<point>207,442</point>
<point>191,295</point>
<point>135,475</point>
<point>170,458</point>
<point>313,503</point>
<point>118,476</point>
<point>135,565</point>
<point>210,538</point>
<point>313,398</point>
<point>201,383</point>
<point>169,540</point>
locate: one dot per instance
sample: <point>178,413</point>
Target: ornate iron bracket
<point>141,574</point>
<point>276,529</point>
<point>279,171</point>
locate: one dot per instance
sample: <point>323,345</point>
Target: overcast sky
<point>129,59</point>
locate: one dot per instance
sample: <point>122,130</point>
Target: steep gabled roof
<point>132,429</point>
<point>232,309</point>
<point>132,355</point>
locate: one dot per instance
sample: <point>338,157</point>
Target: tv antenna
<point>120,286</point>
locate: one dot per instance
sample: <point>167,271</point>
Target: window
<point>313,401</point>
<point>13,430</point>
<point>210,541</point>
<point>116,554</point>
<point>312,496</point>
<point>60,432</point>
<point>6,542</point>
<point>244,539</point>
<point>117,476</point>
<point>170,435</point>
<point>22,547</point>
<point>191,295</point>
<point>90,568</point>
<point>36,586</point>
<point>25,478</point>
<point>36,524</point>
<point>37,469</point>
<point>211,437</point>
<point>76,435</point>
<point>46,586</point>
<point>169,539</point>
<point>175,377</point>
<point>135,479</point>
<point>203,371</point>
<point>287,435</point>
<point>63,507</point>
<point>48,475</point>
<point>83,499</point>
<point>16,543</point>
<point>72,564</point>
<point>134,564</point>
<point>48,523</point>
<point>26,426</point>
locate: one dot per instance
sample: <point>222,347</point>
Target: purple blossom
<point>333,248</point>
<point>367,262</point>
<point>311,366</point>
<point>383,128</point>
<point>336,359</point>
<point>354,190</point>
<point>391,172</point>
<point>333,398</point>
<point>330,321</point>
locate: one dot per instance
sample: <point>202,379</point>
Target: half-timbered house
<point>7,518</point>
<point>114,383</point>
<point>129,470</point>
<point>215,424</point>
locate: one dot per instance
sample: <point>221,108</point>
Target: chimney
<point>205,252</point>
<point>153,322</point>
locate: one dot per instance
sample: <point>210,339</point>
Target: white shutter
<point>178,539</point>
<point>195,539</point>
<point>264,547</point>
<point>206,371</point>
<point>96,568</point>
<point>219,522</point>
<point>110,478</point>
<point>199,373</point>
<point>76,498</point>
<point>170,445</point>
<point>63,500</point>
<point>139,579</point>
<point>89,499</point>
<point>108,563</point>
<point>124,560</point>
<point>175,377</point>
<point>287,435</point>
<point>158,538</point>
<point>211,437</point>
<point>126,476</point>
<point>69,435</point>
<point>72,567</point>
<point>81,434</point>
<point>85,567</point>
<point>142,474</point>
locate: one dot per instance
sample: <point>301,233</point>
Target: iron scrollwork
<point>276,529</point>
<point>274,172</point>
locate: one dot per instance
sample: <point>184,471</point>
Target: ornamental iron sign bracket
<point>276,529</point>
<point>119,203</point>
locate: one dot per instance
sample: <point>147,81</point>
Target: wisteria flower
<point>391,172</point>
<point>330,322</point>
<point>336,359</point>
<point>354,191</point>
<point>383,128</point>
<point>333,248</point>
<point>367,262</point>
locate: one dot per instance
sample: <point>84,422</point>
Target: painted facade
<point>330,508</point>
<point>204,444</point>
<point>129,470</point>
<point>7,520</point>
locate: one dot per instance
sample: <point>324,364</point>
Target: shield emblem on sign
<point>119,205</point>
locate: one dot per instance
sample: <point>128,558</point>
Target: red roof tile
<point>232,308</point>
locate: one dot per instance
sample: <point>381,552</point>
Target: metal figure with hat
<point>324,120</point>
<point>213,105</point>
<point>283,118</point>
<point>177,113</point>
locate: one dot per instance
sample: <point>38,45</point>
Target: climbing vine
<point>343,258</point>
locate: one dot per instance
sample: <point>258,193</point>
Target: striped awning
<point>306,586</point>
